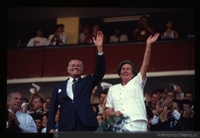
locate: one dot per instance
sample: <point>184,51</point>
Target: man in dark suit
<point>76,113</point>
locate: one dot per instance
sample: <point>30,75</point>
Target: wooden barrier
<point>52,61</point>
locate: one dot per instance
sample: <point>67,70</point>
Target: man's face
<point>47,101</point>
<point>61,29</point>
<point>188,96</point>
<point>15,102</point>
<point>154,99</point>
<point>102,98</point>
<point>170,95</point>
<point>75,68</point>
<point>37,104</point>
<point>38,123</point>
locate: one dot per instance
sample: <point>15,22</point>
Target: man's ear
<point>8,102</point>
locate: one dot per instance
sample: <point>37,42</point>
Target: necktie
<point>73,85</point>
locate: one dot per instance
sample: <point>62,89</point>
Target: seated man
<point>118,37</point>
<point>17,121</point>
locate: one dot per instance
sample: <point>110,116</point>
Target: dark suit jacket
<point>81,103</point>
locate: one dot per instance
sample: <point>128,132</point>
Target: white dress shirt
<point>69,88</point>
<point>61,36</point>
<point>27,123</point>
<point>123,38</point>
<point>175,113</point>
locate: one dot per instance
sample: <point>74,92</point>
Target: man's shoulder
<point>24,114</point>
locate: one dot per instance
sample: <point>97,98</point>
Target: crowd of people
<point>166,110</point>
<point>58,38</point>
<point>70,107</point>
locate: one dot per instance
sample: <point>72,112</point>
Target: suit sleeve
<point>100,69</point>
<point>52,110</point>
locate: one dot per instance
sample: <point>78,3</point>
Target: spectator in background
<point>58,38</point>
<point>95,108</point>
<point>44,123</point>
<point>102,96</point>
<point>46,104</point>
<point>17,121</point>
<point>99,118</point>
<point>18,42</point>
<point>147,98</point>
<point>25,106</point>
<point>38,122</point>
<point>92,95</point>
<point>169,32</point>
<point>118,37</point>
<point>57,118</point>
<point>152,105</point>
<point>85,36</point>
<point>170,95</point>
<point>187,116</point>
<point>189,95</point>
<point>94,32</point>
<point>143,31</point>
<point>37,106</point>
<point>38,40</point>
<point>166,117</point>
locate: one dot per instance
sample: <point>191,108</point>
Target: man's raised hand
<point>99,39</point>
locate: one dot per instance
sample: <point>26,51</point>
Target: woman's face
<point>38,123</point>
<point>126,72</point>
<point>44,121</point>
<point>169,24</point>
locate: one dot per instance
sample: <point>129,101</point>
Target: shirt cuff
<point>155,120</point>
<point>176,114</point>
<point>7,124</point>
<point>100,53</point>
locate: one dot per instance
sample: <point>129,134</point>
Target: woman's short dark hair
<point>134,68</point>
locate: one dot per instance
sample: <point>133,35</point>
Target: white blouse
<point>128,99</point>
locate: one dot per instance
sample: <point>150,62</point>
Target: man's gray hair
<point>75,59</point>
<point>10,95</point>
